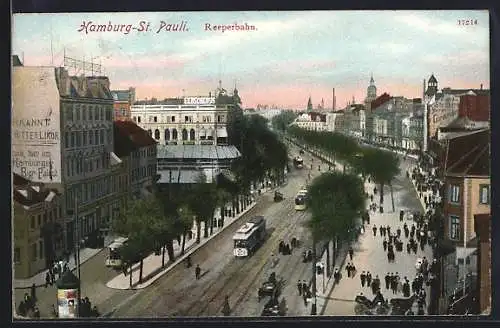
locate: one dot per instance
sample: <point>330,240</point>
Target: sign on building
<point>199,100</point>
<point>36,131</point>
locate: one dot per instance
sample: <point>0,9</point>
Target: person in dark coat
<point>388,229</point>
<point>336,275</point>
<point>384,243</point>
<point>398,233</point>
<point>299,287</point>
<point>368,278</point>
<point>353,270</point>
<point>351,252</point>
<point>21,309</point>
<point>47,279</point>
<point>374,230</point>
<point>33,293</point>
<point>362,276</point>
<point>348,269</point>
<point>305,288</point>
<point>197,271</point>
<point>387,279</point>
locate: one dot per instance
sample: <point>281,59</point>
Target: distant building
<point>371,94</point>
<point>313,121</point>
<point>475,107</point>
<point>38,227</point>
<point>122,100</point>
<point>183,121</point>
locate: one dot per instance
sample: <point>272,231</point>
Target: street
<point>178,293</point>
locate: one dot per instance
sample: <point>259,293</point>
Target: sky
<point>287,58</point>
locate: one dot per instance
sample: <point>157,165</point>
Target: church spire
<point>372,81</point>
<point>309,104</point>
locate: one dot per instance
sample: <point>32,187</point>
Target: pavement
<point>39,278</point>
<point>369,254</point>
<point>152,265</point>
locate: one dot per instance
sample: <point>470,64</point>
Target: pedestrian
<point>374,230</point>
<point>52,277</point>
<point>304,296</point>
<point>351,252</point>
<point>398,233</point>
<point>348,269</point>
<point>299,287</point>
<point>36,312</point>
<point>387,279</point>
<point>305,288</point>
<point>336,275</point>
<point>33,293</point>
<point>363,278</point>
<point>21,309</point>
<point>226,310</point>
<point>385,244</point>
<point>353,270</point>
<point>388,229</point>
<point>368,279</point>
<point>197,271</point>
<point>47,279</point>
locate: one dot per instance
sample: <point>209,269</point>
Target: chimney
<point>333,99</point>
<point>481,86</point>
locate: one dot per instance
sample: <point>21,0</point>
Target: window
<point>69,112</point>
<point>454,227</point>
<point>96,113</point>
<point>39,220</point>
<point>173,119</point>
<point>96,137</point>
<point>134,118</point>
<point>66,139</point>
<point>90,112</point>
<point>101,109</point>
<point>79,138</point>
<point>186,119</point>
<point>84,139</point>
<point>73,139</point>
<point>17,255</point>
<point>77,112</point>
<point>91,138</point>
<point>454,194</point>
<point>138,119</point>
<point>484,194</point>
<point>44,217</point>
<point>33,252</point>
<point>155,119</point>
<point>40,248</point>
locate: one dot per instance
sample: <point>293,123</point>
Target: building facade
<point>137,150</point>
<point>69,119</point>
<point>122,100</point>
<point>193,120</point>
<point>37,222</point>
<point>483,230</point>
<point>312,121</point>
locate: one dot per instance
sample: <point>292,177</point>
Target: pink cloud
<point>156,62</point>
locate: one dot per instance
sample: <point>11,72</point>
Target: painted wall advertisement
<point>36,136</point>
<point>67,303</point>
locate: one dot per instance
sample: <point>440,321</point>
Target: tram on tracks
<point>249,237</point>
<point>301,200</point>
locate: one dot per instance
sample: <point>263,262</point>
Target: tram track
<point>247,267</point>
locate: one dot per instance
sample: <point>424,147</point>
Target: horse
<point>403,303</point>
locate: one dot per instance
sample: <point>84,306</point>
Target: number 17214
<point>467,21</point>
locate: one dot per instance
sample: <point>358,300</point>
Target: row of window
<point>90,191</point>
<point>145,152</point>
<point>121,112</point>
<point>484,194</point>
<point>76,166</point>
<point>82,112</point>
<point>143,171</point>
<point>187,119</point>
<point>41,219</point>
<point>87,138</point>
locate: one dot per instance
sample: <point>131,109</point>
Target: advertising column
<point>67,296</point>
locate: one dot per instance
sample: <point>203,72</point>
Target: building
<point>136,149</point>
<point>467,193</point>
<point>354,120</point>
<point>183,121</point>
<point>482,227</point>
<point>412,132</point>
<point>38,227</point>
<point>182,164</point>
<point>475,106</point>
<point>371,94</point>
<point>122,100</point>
<point>62,135</point>
<point>313,121</point>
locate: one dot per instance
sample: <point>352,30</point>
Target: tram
<point>301,200</point>
<point>298,162</point>
<point>249,237</point>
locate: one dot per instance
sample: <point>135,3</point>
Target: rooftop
<point>196,152</point>
<point>128,137</point>
<point>469,154</point>
<point>121,95</point>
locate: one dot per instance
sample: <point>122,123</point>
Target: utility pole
<point>77,252</point>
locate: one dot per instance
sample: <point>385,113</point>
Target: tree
<point>335,200</point>
<point>281,121</point>
<point>383,167</point>
<point>203,210</point>
<point>185,222</point>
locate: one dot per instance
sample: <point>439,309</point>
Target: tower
<point>432,86</point>
<point>309,105</point>
<point>371,93</point>
<point>333,99</point>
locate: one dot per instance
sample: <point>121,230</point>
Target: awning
<point>222,133</point>
<point>210,133</point>
<point>202,133</point>
<point>114,159</point>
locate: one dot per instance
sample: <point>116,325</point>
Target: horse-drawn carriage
<point>377,306</point>
<point>400,306</point>
<point>272,287</point>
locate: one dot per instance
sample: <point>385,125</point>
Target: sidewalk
<point>152,269</point>
<point>85,255</point>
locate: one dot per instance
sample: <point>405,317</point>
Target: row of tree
<point>153,223</point>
